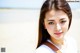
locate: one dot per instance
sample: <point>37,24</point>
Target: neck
<point>59,42</point>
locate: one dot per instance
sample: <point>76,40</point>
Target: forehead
<point>53,14</point>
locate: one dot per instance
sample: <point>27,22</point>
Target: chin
<point>59,38</point>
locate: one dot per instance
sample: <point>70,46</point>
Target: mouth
<point>58,33</point>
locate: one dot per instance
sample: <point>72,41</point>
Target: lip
<point>58,33</point>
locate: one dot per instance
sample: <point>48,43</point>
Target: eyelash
<point>63,21</point>
<point>50,23</point>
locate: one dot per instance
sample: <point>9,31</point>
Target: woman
<point>55,20</point>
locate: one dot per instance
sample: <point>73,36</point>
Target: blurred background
<point>19,25</point>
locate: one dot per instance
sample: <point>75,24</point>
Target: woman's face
<point>56,23</point>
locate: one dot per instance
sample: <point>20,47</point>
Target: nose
<point>58,27</point>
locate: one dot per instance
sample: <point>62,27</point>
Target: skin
<point>56,23</point>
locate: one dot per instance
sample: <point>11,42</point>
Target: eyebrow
<point>63,19</point>
<point>60,19</point>
<point>50,20</point>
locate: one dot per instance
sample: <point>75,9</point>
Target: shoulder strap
<point>54,48</point>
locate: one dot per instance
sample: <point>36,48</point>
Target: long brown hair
<point>47,6</point>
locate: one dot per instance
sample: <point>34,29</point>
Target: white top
<point>69,47</point>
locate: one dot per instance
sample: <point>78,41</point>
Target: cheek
<point>50,29</point>
<point>65,27</point>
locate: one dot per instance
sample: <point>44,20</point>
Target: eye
<point>51,23</point>
<point>62,22</point>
